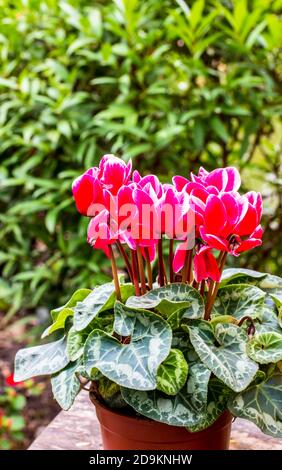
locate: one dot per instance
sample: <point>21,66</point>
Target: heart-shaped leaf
<point>229,361</point>
<point>172,373</point>
<point>75,344</point>
<point>269,321</point>
<point>77,296</point>
<point>187,408</point>
<point>261,404</point>
<point>271,285</point>
<point>239,300</point>
<point>169,299</point>
<point>101,298</point>
<point>240,275</point>
<point>132,365</point>
<point>65,385</point>
<point>217,400</point>
<point>265,348</point>
<point>59,322</point>
<point>40,360</point>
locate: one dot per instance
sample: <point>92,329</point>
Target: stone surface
<point>79,429</point>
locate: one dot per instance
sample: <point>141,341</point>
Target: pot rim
<point>151,422</point>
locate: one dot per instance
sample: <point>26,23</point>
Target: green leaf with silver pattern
<point>187,408</point>
<point>239,300</point>
<point>101,298</point>
<point>240,275</point>
<point>133,365</point>
<point>218,395</point>
<point>265,348</point>
<point>228,361</point>
<point>65,385</point>
<point>168,299</point>
<point>78,296</point>
<point>172,373</point>
<point>261,404</point>
<point>40,360</point>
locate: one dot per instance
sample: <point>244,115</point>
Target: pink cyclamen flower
<point>88,192</point>
<point>232,222</point>
<point>114,173</point>
<point>205,183</point>
<point>88,189</point>
<point>100,234</point>
<point>205,265</point>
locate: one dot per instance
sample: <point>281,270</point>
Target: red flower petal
<point>215,215</point>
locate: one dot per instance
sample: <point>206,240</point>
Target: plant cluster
<point>172,85</point>
<point>186,346</point>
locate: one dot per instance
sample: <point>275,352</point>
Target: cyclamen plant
<point>182,339</point>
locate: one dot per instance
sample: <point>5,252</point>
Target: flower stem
<point>214,286</point>
<point>149,268</point>
<point>187,269</point>
<point>141,270</point>
<point>126,260</point>
<point>135,272</point>
<point>202,288</point>
<point>171,273</point>
<point>115,273</point>
<point>160,262</point>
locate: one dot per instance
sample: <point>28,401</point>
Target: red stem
<point>161,263</point>
<point>171,273</point>
<point>115,273</point>
<point>126,260</point>
<point>135,272</point>
<point>141,270</point>
<point>149,268</point>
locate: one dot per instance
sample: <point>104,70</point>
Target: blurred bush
<point>172,84</point>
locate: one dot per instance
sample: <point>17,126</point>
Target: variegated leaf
<point>240,275</point>
<point>132,365</point>
<point>228,361</point>
<point>277,299</point>
<point>265,348</point>
<point>269,321</point>
<point>187,408</point>
<point>65,385</point>
<point>172,373</point>
<point>75,344</point>
<point>271,285</point>
<point>218,395</point>
<point>261,404</point>
<point>77,296</point>
<point>101,298</point>
<point>239,300</point>
<point>40,360</point>
<point>171,298</point>
<point>59,322</point>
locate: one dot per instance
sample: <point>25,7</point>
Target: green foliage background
<point>172,84</point>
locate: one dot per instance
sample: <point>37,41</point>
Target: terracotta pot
<point>122,432</point>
